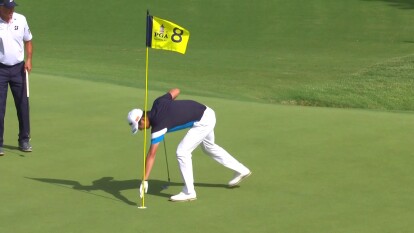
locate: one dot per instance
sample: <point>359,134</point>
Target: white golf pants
<point>202,133</point>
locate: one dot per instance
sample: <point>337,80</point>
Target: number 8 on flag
<point>163,34</point>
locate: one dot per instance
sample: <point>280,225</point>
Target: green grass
<point>387,86</point>
<point>346,168</point>
<point>273,52</point>
<point>314,169</point>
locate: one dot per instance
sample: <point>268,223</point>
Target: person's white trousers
<point>202,133</point>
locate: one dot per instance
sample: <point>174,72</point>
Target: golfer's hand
<point>143,188</point>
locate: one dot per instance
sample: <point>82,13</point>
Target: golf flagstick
<point>145,129</point>
<point>178,43</point>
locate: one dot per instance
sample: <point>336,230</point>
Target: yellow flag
<point>163,34</point>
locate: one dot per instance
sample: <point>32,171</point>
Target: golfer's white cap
<point>133,118</point>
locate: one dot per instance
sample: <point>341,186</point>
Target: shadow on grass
<point>13,150</point>
<point>114,187</point>
<point>402,4</point>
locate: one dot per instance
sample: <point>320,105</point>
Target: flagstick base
<point>142,207</point>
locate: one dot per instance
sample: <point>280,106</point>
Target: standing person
<point>15,40</point>
<point>168,115</point>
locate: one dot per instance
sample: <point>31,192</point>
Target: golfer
<point>168,115</point>
<point>15,40</point>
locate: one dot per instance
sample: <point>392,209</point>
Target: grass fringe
<point>385,86</point>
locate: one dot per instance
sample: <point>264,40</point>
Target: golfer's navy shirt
<point>168,115</point>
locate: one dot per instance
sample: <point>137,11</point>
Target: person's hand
<point>143,188</point>
<point>28,65</point>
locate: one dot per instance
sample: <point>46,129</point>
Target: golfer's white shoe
<point>183,197</point>
<point>239,177</point>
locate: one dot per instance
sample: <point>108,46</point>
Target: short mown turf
<point>314,169</point>
<point>286,52</point>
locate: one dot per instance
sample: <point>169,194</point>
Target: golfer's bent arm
<point>174,93</point>
<point>152,151</point>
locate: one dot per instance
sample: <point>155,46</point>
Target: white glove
<point>143,188</point>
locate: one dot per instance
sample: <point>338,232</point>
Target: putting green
<point>314,169</point>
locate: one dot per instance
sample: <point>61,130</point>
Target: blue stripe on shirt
<point>176,128</point>
<point>157,140</point>
<point>180,127</point>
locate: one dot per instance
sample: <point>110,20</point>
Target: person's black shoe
<point>25,146</point>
